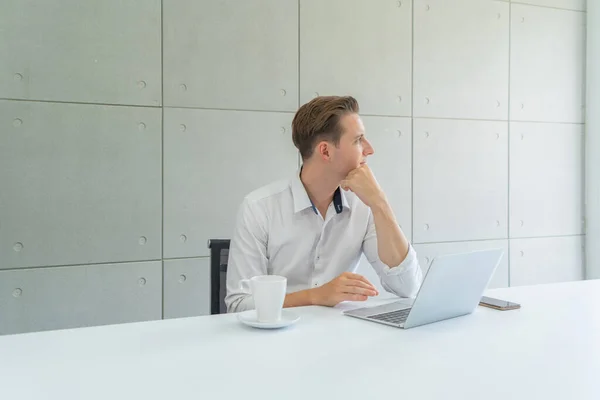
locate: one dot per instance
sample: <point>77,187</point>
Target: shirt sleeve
<point>403,280</point>
<point>247,257</point>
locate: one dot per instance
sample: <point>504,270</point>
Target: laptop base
<point>393,314</point>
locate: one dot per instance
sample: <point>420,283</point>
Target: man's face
<point>353,149</point>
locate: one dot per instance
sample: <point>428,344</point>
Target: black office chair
<point>219,254</point>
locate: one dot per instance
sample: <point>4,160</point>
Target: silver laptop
<point>452,287</point>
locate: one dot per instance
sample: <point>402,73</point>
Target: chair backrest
<point>219,254</point>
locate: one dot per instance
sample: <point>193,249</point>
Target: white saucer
<point>287,318</point>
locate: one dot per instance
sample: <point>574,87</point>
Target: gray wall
<point>592,171</point>
<point>131,131</point>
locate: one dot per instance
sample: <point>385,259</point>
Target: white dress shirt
<point>279,232</point>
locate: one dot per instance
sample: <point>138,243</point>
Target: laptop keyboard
<point>394,317</point>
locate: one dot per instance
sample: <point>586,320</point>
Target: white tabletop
<point>549,349</point>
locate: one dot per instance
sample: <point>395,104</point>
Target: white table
<point>550,349</point>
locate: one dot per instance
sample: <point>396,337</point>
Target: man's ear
<point>324,150</point>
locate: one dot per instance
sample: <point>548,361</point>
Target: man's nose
<point>368,149</point>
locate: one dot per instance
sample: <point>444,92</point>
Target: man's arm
<point>404,277</point>
<point>299,299</point>
<point>385,245</point>
<point>392,245</point>
<point>247,257</point>
<point>346,287</point>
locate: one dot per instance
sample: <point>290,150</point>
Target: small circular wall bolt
<point>497,103</point>
<point>427,7</point>
<point>142,126</point>
<point>399,98</point>
<point>183,87</point>
<point>283,92</point>
<point>427,260</point>
<point>399,4</point>
<point>182,278</point>
<point>142,281</point>
<point>183,238</point>
<point>426,227</point>
<point>182,127</point>
<point>522,106</point>
<point>316,94</point>
<point>18,247</point>
<point>497,136</point>
<point>17,292</point>
<point>497,223</point>
<point>399,133</point>
<point>426,134</point>
<point>141,84</point>
<point>143,240</point>
<point>283,129</point>
<point>427,101</point>
<point>522,253</point>
<point>18,77</point>
<point>521,222</point>
<point>17,122</point>
<point>522,19</point>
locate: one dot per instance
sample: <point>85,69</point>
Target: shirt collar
<point>302,201</point>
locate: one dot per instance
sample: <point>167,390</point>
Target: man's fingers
<point>359,290</point>
<point>356,297</point>
<point>359,278</point>
<point>353,283</point>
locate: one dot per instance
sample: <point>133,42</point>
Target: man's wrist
<point>380,204</point>
<point>308,297</point>
<point>313,296</point>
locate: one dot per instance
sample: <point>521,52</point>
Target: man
<point>313,228</point>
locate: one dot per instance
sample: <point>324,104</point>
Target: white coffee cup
<point>268,292</point>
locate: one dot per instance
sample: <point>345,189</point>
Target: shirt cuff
<point>244,302</point>
<point>406,264</point>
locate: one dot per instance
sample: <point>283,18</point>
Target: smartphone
<point>498,304</point>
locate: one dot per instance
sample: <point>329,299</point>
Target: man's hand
<point>362,182</point>
<point>346,287</point>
